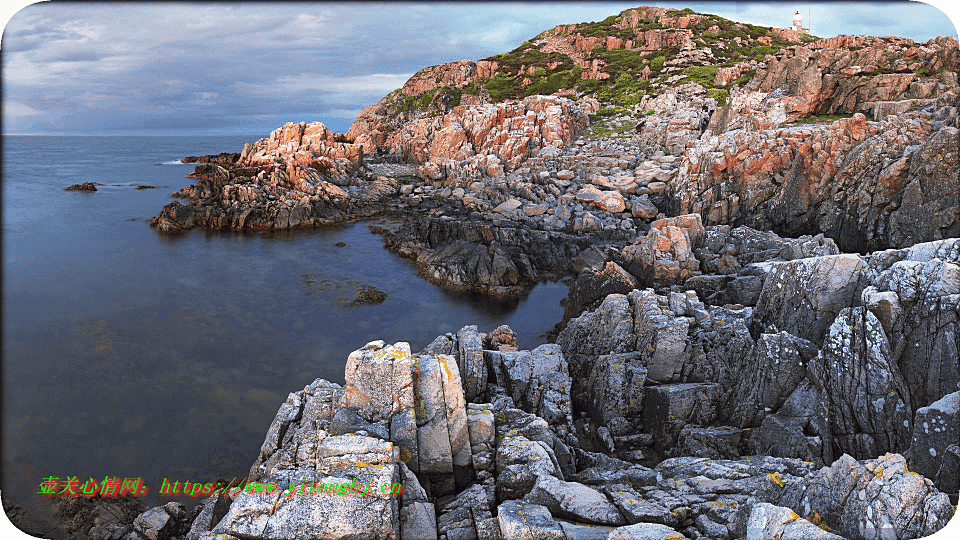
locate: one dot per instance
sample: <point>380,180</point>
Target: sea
<point>132,354</point>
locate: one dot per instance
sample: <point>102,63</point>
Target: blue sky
<point>194,68</point>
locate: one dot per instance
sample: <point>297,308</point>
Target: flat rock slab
<point>523,521</point>
<point>574,501</point>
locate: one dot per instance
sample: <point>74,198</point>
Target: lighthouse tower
<point>798,22</point>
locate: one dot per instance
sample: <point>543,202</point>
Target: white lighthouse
<point>798,23</point>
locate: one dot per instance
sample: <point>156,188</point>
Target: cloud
<point>95,67</point>
<point>15,109</point>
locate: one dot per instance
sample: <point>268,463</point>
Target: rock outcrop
<point>737,358</point>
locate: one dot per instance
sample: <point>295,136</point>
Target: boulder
<point>645,531</point>
<point>524,521</point>
<point>769,375</point>
<point>803,297</point>
<point>935,427</point>
<point>875,498</point>
<point>765,521</point>
<point>869,400</point>
<point>669,408</point>
<point>471,363</point>
<point>614,388</point>
<point>537,380</point>
<point>592,286</point>
<point>665,255</point>
<point>571,500</point>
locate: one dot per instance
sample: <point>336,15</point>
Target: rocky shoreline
<point>761,336</point>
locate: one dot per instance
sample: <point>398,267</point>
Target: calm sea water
<point>128,353</point>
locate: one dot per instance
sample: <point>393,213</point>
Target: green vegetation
<point>631,74</point>
<point>418,103</point>
<point>501,87</point>
<point>702,75</point>
<point>823,118</point>
<point>719,94</point>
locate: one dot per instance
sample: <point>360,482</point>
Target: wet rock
<point>85,186</point>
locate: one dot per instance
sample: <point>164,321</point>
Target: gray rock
<point>213,508</point>
<point>935,427</point>
<point>480,424</point>
<point>593,285</point>
<point>765,521</point>
<point>348,420</point>
<point>523,521</point>
<point>608,329</point>
<point>714,442</point>
<point>537,380</point>
<point>433,438</point>
<point>640,509</point>
<point>670,407</point>
<point>161,522</point>
<point>575,531</point>
<point>869,399</point>
<point>473,369</point>
<point>770,374</point>
<point>783,436</point>
<point>948,477</point>
<point>876,498</point>
<point>614,389</point>
<point>803,297</point>
<point>378,380</point>
<point>645,531</point>
<point>660,338</point>
<point>575,501</point>
<point>418,521</point>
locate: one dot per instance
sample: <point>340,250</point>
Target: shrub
<point>657,63</point>
<point>589,85</point>
<point>703,75</point>
<point>501,87</point>
<point>718,94</point>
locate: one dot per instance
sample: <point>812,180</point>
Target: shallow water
<point>128,353</point>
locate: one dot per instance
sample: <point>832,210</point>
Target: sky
<point>220,68</point>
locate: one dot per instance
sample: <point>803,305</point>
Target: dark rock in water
<point>368,294</point>
<point>341,244</point>
<point>86,186</point>
<point>223,158</point>
<point>145,186</point>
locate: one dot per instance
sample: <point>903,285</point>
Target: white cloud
<point>13,109</point>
